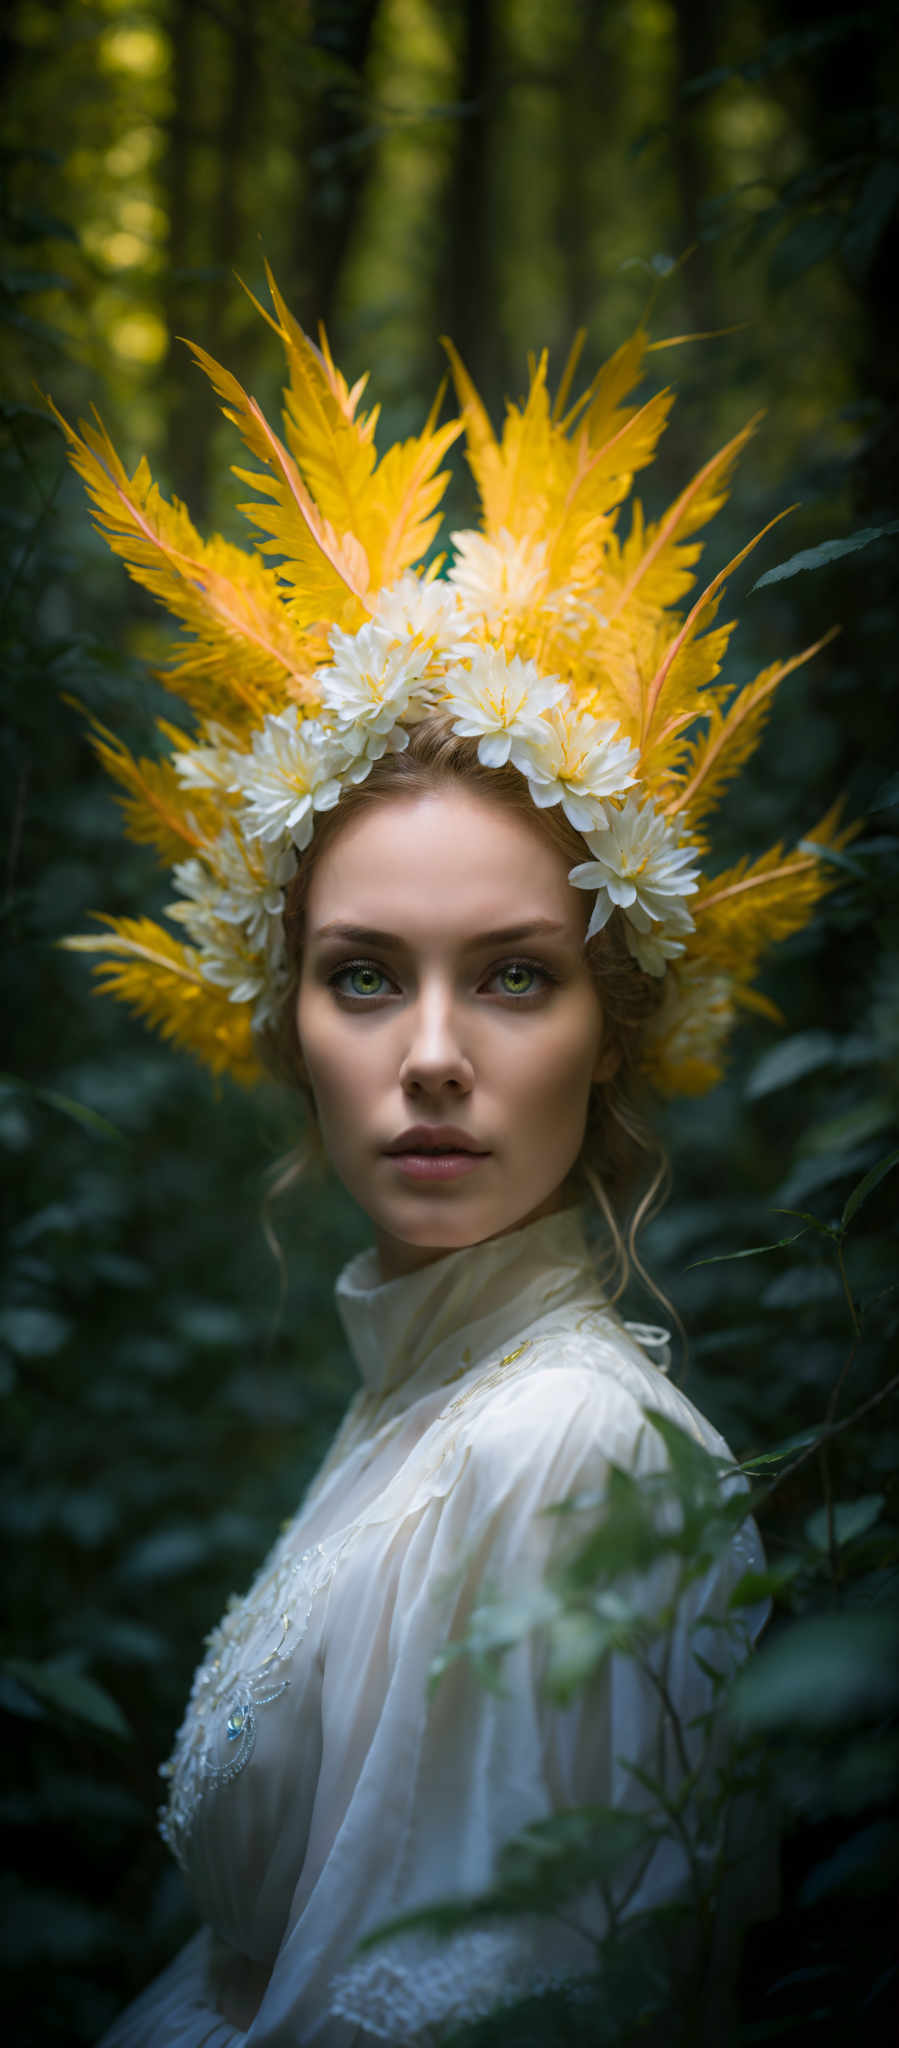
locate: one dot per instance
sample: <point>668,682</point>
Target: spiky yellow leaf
<point>142,965</point>
<point>333,449</point>
<point>654,567</point>
<point>755,904</point>
<point>712,760</point>
<point>327,572</point>
<point>400,514</point>
<point>482,447</point>
<point>157,811</point>
<point>248,655</point>
<point>673,691</point>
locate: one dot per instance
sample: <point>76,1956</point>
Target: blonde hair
<point>622,1164</point>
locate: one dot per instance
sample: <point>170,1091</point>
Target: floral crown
<point>554,641</point>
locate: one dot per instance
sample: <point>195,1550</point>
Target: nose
<point>435,1058</point>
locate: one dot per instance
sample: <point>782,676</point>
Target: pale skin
<point>446,1010</point>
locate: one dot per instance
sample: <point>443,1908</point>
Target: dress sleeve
<point>416,1794</point>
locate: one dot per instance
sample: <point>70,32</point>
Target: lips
<point>426,1140</point>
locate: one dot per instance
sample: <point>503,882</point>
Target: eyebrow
<point>508,935</point>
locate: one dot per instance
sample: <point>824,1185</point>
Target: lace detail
<point>217,1736</point>
<point>410,1991</point>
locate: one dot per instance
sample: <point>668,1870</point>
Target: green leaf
<point>850,1519</point>
<point>70,1692</point>
<point>787,1448</point>
<point>863,1120</point>
<point>90,1119</point>
<point>821,1672</point>
<point>753,1251</point>
<point>865,1187</point>
<point>826,551</point>
<point>835,857</point>
<point>753,1587</point>
<point>802,1054</point>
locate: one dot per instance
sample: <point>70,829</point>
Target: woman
<point>377,894</point>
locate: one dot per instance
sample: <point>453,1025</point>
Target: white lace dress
<point>315,1788</point>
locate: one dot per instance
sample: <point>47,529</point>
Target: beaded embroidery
<point>218,1734</point>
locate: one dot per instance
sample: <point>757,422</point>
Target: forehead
<point>447,861</point>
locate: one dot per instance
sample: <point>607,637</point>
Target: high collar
<point>475,1298</point>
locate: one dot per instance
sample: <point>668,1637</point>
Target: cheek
<point>551,1078</point>
<point>328,1072</point>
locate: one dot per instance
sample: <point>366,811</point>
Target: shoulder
<point>572,1402</point>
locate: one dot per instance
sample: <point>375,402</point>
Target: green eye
<point>518,979</point>
<point>363,980</point>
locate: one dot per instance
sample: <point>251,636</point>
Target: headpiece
<point>559,643</point>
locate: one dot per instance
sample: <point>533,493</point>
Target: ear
<point>608,1061</point>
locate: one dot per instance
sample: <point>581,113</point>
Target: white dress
<point>316,1788</point>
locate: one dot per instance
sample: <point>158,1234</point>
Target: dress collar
<point>479,1296</point>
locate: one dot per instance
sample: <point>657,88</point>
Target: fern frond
<point>247,654</point>
<point>157,811</point>
<point>328,573</point>
<point>596,481</point>
<point>604,397</point>
<point>333,449</point>
<point>655,568</point>
<point>730,738</point>
<point>525,464</point>
<point>756,904</point>
<point>142,965</point>
<point>668,682</point>
<point>401,517</point>
<point>482,447</point>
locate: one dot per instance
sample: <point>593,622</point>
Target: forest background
<point>502,172</point>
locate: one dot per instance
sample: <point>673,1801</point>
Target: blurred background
<point>502,171</point>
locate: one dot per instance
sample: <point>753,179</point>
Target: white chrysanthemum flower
<point>294,769</point>
<point>652,950</point>
<point>426,614</point>
<point>232,912</point>
<point>210,766</point>
<point>496,579</point>
<point>576,762</point>
<point>500,701</point>
<point>640,868</point>
<point>370,684</point>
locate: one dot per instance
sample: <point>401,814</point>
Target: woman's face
<point>449,1026</point>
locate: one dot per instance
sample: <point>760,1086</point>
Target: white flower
<point>653,949</point>
<point>231,907</point>
<point>425,614</point>
<point>576,762</point>
<point>496,578</point>
<point>369,684</point>
<point>209,767</point>
<point>293,770</point>
<point>640,868</point>
<point>500,702</point>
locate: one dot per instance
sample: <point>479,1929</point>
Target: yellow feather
<point>328,573</point>
<point>712,760</point>
<point>157,811</point>
<point>333,449</point>
<point>756,904</point>
<point>143,966</point>
<point>248,654</point>
<point>668,683</point>
<point>482,447</point>
<point>403,496</point>
<point>655,569</point>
